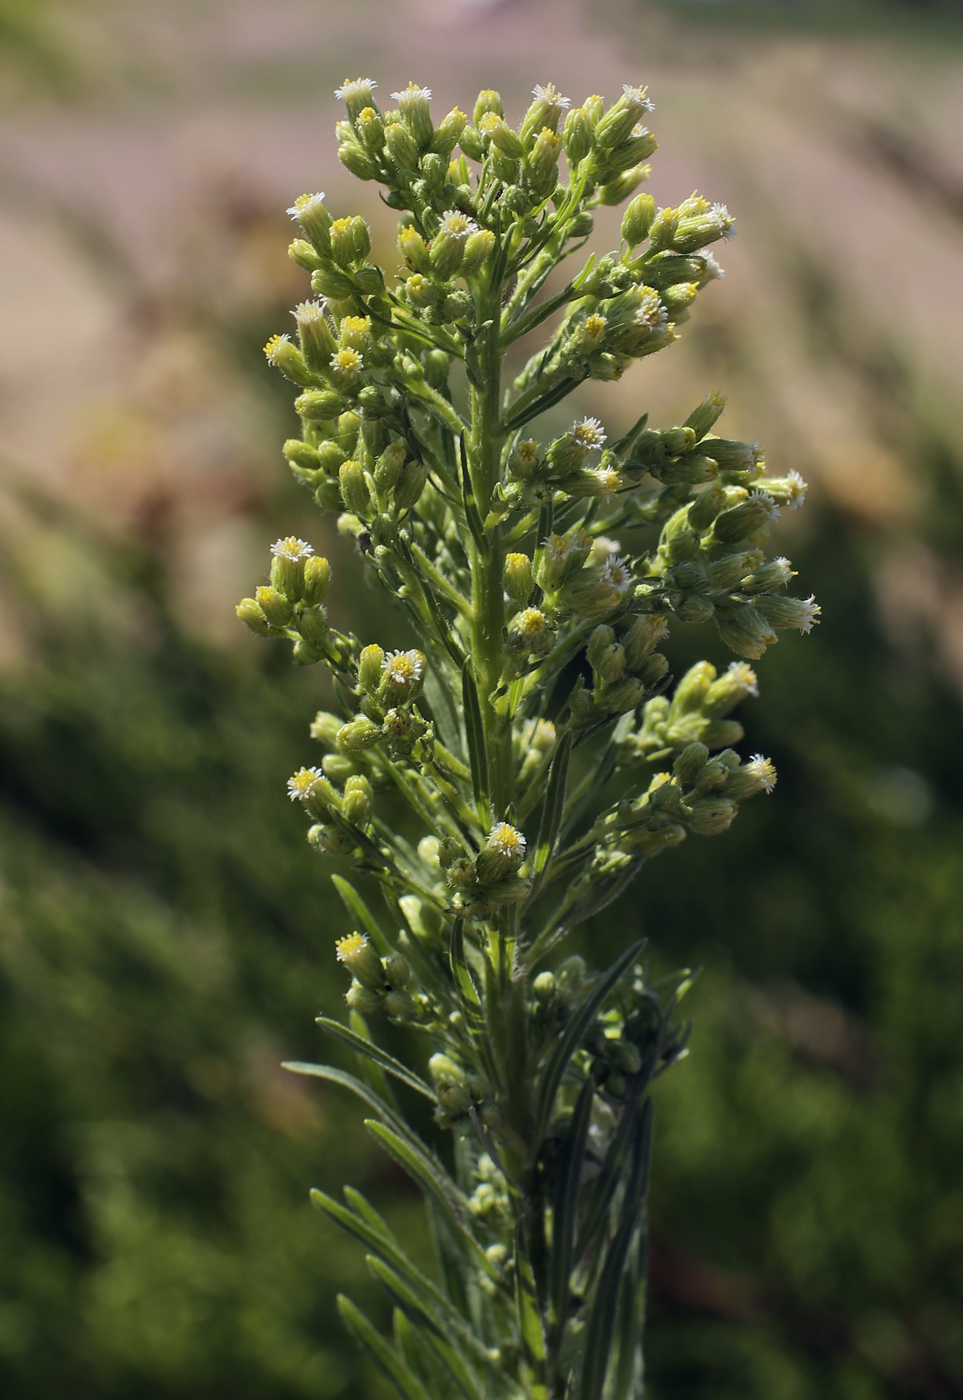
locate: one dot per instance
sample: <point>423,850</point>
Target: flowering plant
<point>535,734</point>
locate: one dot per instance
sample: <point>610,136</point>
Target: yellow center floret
<point>303,783</point>
<point>292,548</point>
<point>507,840</point>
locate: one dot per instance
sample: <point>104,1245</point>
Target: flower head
<point>589,433</point>
<point>766,504</point>
<point>454,224</point>
<point>530,623</point>
<point>310,312</point>
<point>617,574</point>
<point>741,674</point>
<point>797,489</point>
<point>274,349</point>
<point>292,548</point>
<point>403,667</point>
<point>304,783</point>
<point>507,840</point>
<point>725,220</point>
<point>412,93</point>
<point>638,98</point>
<point>549,93</point>
<point>304,204</point>
<point>347,361</point>
<point>763,770</point>
<point>602,547</point>
<point>354,89</point>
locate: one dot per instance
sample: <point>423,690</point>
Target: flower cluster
<point>535,732</point>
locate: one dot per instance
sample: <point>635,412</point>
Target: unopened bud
<point>577,136</point>
<point>319,404</point>
<point>410,485</point>
<point>478,249</point>
<point>448,133</point>
<point>397,971</point>
<point>800,613</point>
<point>637,219</point>
<point>389,466</point>
<point>615,191</point>
<point>690,763</point>
<point>412,248</point>
<point>644,635</point>
<point>362,999</point>
<point>357,735</point>
<point>519,580</point>
<point>746,630</point>
<point>354,487</point>
<point>357,800</point>
<point>701,419</point>
<point>274,605</point>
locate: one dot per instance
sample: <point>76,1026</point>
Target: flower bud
<point>478,249</point>
<point>529,631</point>
<point>637,219</point>
<point>541,173</point>
<point>701,419</point>
<point>451,1085</point>
<point>618,122</point>
<point>354,487</point>
<point>357,735</point>
<point>317,576</point>
<point>663,227</point>
<point>389,466</point>
<point>577,136</point>
<point>758,775</point>
<point>739,522</point>
<point>412,248</point>
<point>543,988</point>
<point>285,356</point>
<point>615,191</point>
<point>410,485</point>
<point>413,105</point>
<point>324,728</point>
<point>437,366</point>
<point>732,687</point>
<point>314,333</point>
<point>645,633</point>
<point>421,291</point>
<point>401,146</point>
<point>708,816</point>
<point>623,695</point>
<point>745,629</point>
<point>371,129</point>
<point>397,971</point>
<point>487,101</point>
<point>472,144</point>
<point>370,665</point>
<point>274,606</point>
<point>519,580</point>
<point>449,130</point>
<point>357,800</point>
<point>362,999</point>
<point>330,841</point>
<point>319,405</point>
<point>251,614</point>
<point>350,240</point>
<point>800,613</point>
<point>301,252</point>
<point>544,113</point>
<point>360,162</point>
<point>690,763</point>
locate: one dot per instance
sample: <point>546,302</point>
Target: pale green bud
<point>397,971</point>
<point>413,249</point>
<point>389,466</point>
<point>679,298</point>
<point>645,634</point>
<point>314,333</point>
<point>370,665</point>
<point>487,101</point>
<point>541,173</point>
<point>708,816</point>
<point>274,605</point>
<point>653,669</point>
<point>317,577</point>
<point>449,131</point>
<point>615,191</point>
<point>601,640</point>
<point>625,1054</point>
<point>301,252</point>
<point>651,842</point>
<point>501,135</point>
<point>410,485</point>
<point>624,695</point>
<point>330,841</point>
<point>451,1085</point>
<point>334,285</point>
<point>371,129</point>
<point>706,505</point>
<point>324,728</point>
<point>577,136</point>
<point>619,121</point>
<point>413,105</point>
<point>739,522</point>
<point>362,999</point>
<point>690,763</point>
<point>319,404</point>
<point>519,580</point>
<point>350,240</point>
<point>401,1006</point>
<point>701,419</point>
<point>478,249</point>
<point>357,800</point>
<point>421,291</point>
<point>472,143</point>
<point>437,366</point>
<point>252,615</point>
<point>663,227</point>
<point>732,568</point>
<point>357,735</point>
<point>360,162</point>
<point>313,626</point>
<point>401,146</point>
<point>637,219</point>
<point>354,487</point>
<point>510,891</point>
<point>758,775</point>
<point>693,687</point>
<point>543,987</point>
<point>768,577</point>
<point>746,630</point>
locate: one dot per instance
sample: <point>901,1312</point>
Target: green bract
<point>500,549</point>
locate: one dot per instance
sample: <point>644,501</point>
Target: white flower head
<point>712,269</point>
<point>588,433</point>
<point>455,224</point>
<point>762,769</point>
<point>292,548</point>
<point>347,361</point>
<point>609,479</point>
<point>303,204</point>
<point>617,574</point>
<point>797,490</point>
<point>549,93</point>
<point>766,502</point>
<point>403,667</point>
<point>638,97</point>
<point>507,840</point>
<point>310,312</point>
<point>744,676</point>
<point>302,784</point>
<point>411,94</point>
<point>810,610</point>
<point>558,548</point>
<point>357,89</point>
<point>725,220</point>
<point>529,624</point>
<point>273,349</point>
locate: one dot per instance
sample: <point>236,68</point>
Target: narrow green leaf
<point>406,1341</point>
<point>554,807</point>
<point>402,1378</point>
<point>435,1182</point>
<point>576,1028</point>
<point>360,912</point>
<point>602,1314</point>
<point>529,1317</point>
<point>565,1207</point>
<point>625,444</point>
<point>425,1321</point>
<point>375,1053</point>
<point>471,509</point>
<point>627,1375</point>
<point>366,1210</point>
<point>372,1071</point>
<point>475,738</point>
<point>465,983</point>
<point>608,1178</point>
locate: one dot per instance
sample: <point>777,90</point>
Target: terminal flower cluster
<point>536,732</point>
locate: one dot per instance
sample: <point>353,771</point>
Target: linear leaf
<point>465,983</point>
<point>424,1321</point>
<point>404,1380</point>
<point>529,1317</point>
<point>406,1341</point>
<point>631,1318</point>
<point>565,1208</point>
<point>436,1183</point>
<point>363,1207</point>
<point>602,1315</point>
<point>371,1070</point>
<point>475,738</point>
<point>608,1178</point>
<point>357,908</point>
<point>554,808</point>
<point>575,1030</point>
<point>374,1052</point>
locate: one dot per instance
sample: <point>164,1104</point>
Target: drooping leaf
<point>374,1052</point>
<point>575,1030</point>
<point>385,1357</point>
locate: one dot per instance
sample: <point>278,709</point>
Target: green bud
<point>317,576</point>
<point>448,245</point>
<point>645,633</point>
<point>598,646</point>
<point>745,629</point>
<point>328,495</point>
<point>360,162</point>
<point>478,249</point>
<point>577,136</point>
<point>625,1055</point>
<point>337,766</point>
<point>401,146</point>
<point>519,580</point>
<point>448,133</point>
<point>541,174</point>
<point>739,522</point>
<point>701,419</point>
<point>768,577</point>
<point>472,144</point>
<point>371,129</point>
<point>615,191</point>
<point>319,404</point>
<point>252,615</point>
<point>324,728</point>
<point>510,891</point>
<point>434,170</point>
<point>421,291</point>
<point>357,735</point>
<point>732,568</point>
<point>389,466</point>
<point>413,105</point>
<point>274,606</point>
<point>690,763</point>
<point>370,665</point>
<point>651,842</point>
<point>623,696</point>
<point>354,487</point>
<point>362,999</point>
<point>758,775</point>
<point>410,485</point>
<point>437,365</point>
<point>663,227</point>
<point>618,122</point>
<point>412,248</point>
<point>330,841</point>
<point>800,613</point>
<point>313,626</point>
<point>350,241</point>
<point>401,1006</point>
<point>451,1085</point>
<point>692,689</point>
<point>301,252</point>
<point>653,669</point>
<point>706,505</point>
<point>637,219</point>
<point>708,816</point>
<point>544,987</point>
<point>397,971</point>
<point>357,800</point>
<point>302,455</point>
<point>487,101</point>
